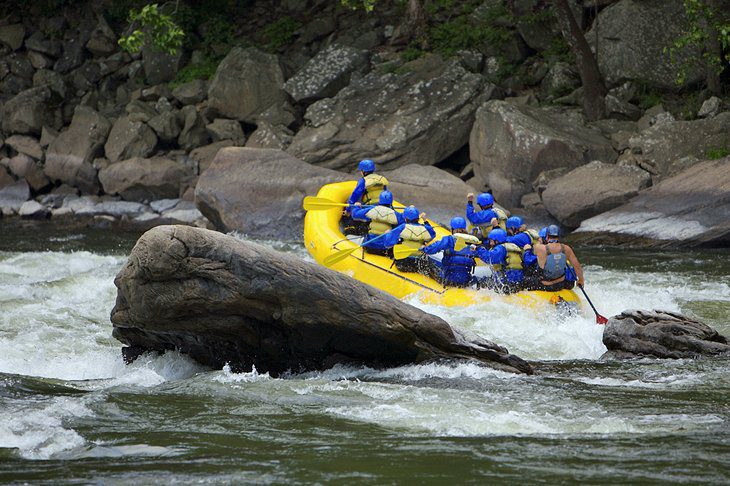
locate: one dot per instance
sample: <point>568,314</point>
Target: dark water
<point>71,411</point>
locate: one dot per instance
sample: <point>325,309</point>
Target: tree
<point>594,87</point>
<point>150,25</point>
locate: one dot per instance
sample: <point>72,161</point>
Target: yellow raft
<point>323,237</point>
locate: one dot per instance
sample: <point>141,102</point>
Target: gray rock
<point>140,179</point>
<point>245,84</point>
<point>203,156</point>
<point>33,210</point>
<point>159,66</point>
<point>193,133</point>
<point>186,216</point>
<point>270,136</point>
<point>82,203</point>
<point>167,125</point>
<point>222,129</point>
<point>73,56</point>
<point>689,209</point>
<point>12,35</point>
<point>38,43</point>
<point>561,79</point>
<point>129,139</point>
<point>281,114</point>
<point>191,92</point>
<point>117,209</point>
<point>50,79</point>
<point>39,61</point>
<point>20,65</point>
<point>617,108</point>
<point>326,73</point>
<point>510,145</point>
<point>102,41</point>
<point>317,28</point>
<point>139,111</point>
<point>13,196</point>
<point>543,179</point>
<point>710,107</point>
<point>25,145</point>
<point>420,116</point>
<point>28,111</point>
<point>162,205</point>
<point>48,135</point>
<point>154,93</point>
<point>665,142</point>
<point>632,36</point>
<point>653,115</point>
<point>592,189</point>
<point>69,156</point>
<point>24,167</point>
<point>661,334</point>
<point>210,296</point>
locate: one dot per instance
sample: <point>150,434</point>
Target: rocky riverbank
<point>89,131</point>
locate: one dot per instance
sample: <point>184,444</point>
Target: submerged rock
<point>661,334</point>
<point>222,300</point>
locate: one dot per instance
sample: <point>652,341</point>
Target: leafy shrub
<point>280,33</point>
<point>717,153</point>
<point>204,70</point>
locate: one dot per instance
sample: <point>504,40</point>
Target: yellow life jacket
<point>382,220</point>
<point>534,236</point>
<point>501,217</point>
<point>514,258</point>
<point>463,239</point>
<point>415,235</point>
<point>374,185</point>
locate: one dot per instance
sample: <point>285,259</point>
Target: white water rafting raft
<point>324,238</point>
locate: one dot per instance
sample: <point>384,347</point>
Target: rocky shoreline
<point>94,133</point>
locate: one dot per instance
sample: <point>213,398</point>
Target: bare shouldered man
<point>559,268</point>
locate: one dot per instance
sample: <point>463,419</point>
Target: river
<point>71,411</point>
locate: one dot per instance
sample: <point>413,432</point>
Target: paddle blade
<point>312,203</point>
<point>600,319</point>
<point>402,251</point>
<point>339,256</point>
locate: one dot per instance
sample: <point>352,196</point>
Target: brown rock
<point>129,139</point>
<point>140,179</point>
<point>25,145</point>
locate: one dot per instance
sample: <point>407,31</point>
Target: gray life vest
<point>555,264</point>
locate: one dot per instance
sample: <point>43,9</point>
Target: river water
<point>71,411</point>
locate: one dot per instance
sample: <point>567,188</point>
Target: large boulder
<point>24,167</point>
<point>13,196</point>
<point>141,179</point>
<point>28,111</point>
<point>246,83</point>
<point>160,66</point>
<point>70,155</point>
<point>129,139</point>
<point>225,301</point>
<point>661,334</point>
<point>661,145</point>
<point>420,116</point>
<point>12,35</point>
<point>193,133</point>
<point>689,209</point>
<point>632,36</point>
<point>511,145</point>
<point>592,189</point>
<point>326,73</point>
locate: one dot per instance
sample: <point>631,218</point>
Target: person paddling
<point>487,218</point>
<point>505,258</point>
<point>558,267</point>
<point>456,266</point>
<point>367,192</point>
<point>381,219</point>
<point>411,234</point>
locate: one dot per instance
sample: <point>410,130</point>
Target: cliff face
<point>330,86</point>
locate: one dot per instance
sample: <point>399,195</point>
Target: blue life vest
<point>555,264</point>
<point>457,266</point>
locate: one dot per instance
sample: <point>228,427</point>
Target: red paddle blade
<point>600,319</point>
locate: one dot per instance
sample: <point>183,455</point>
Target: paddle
<point>599,318</point>
<point>342,254</point>
<point>403,251</point>
<point>313,203</point>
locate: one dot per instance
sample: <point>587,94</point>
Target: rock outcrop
<point>661,334</point>
<point>592,189</point>
<point>222,300</point>
<point>419,116</point>
<point>691,208</point>
<point>139,179</point>
<point>511,145</point>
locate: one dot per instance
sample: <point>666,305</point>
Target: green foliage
<point>150,24</point>
<point>558,51</point>
<point>411,54</point>
<point>367,5</point>
<point>717,153</point>
<point>281,32</point>
<point>648,98</point>
<point>465,32</point>
<point>204,70</point>
<point>700,13</point>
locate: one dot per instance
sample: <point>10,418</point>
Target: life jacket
<point>462,239</point>
<point>382,220</point>
<point>414,235</point>
<point>374,185</point>
<point>457,266</point>
<point>555,264</point>
<point>534,236</point>
<point>483,230</point>
<point>501,218</point>
<point>513,258</point>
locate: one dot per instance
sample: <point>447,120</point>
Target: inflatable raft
<point>323,237</point>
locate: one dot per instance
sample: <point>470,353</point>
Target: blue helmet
<point>498,234</point>
<point>366,165</point>
<point>514,222</point>
<point>386,198</point>
<point>458,223</point>
<point>543,233</point>
<point>485,199</point>
<point>553,230</point>
<point>411,213</point>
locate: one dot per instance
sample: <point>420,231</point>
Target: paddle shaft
<point>599,318</point>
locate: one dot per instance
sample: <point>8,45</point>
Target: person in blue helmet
<point>380,219</point>
<point>558,267</point>
<point>456,266</point>
<point>516,232</point>
<point>411,234</point>
<point>367,192</point>
<point>487,218</point>
<point>505,259</point>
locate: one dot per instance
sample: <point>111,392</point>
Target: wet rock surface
<point>661,334</point>
<point>222,300</point>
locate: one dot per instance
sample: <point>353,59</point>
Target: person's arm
<point>360,213</point>
<point>391,237</point>
<point>443,244</point>
<point>357,193</point>
<point>429,228</point>
<point>576,264</point>
<point>470,213</point>
<point>528,257</point>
